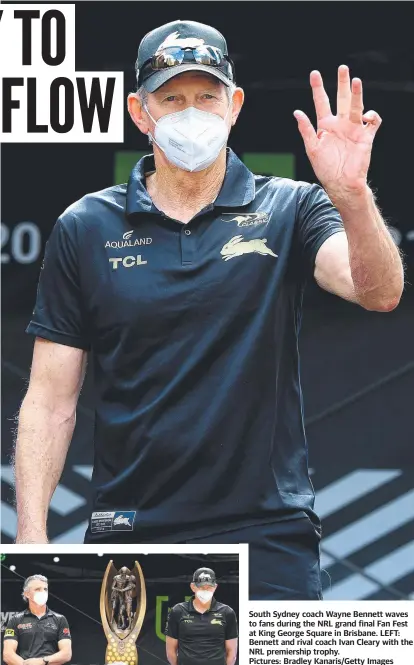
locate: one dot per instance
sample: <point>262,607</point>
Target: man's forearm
<point>13,659</point>
<point>59,658</point>
<point>231,657</point>
<point>43,439</point>
<point>172,657</point>
<point>376,266</point>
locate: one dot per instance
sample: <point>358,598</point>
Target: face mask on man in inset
<point>204,585</point>
<point>40,597</point>
<point>204,596</point>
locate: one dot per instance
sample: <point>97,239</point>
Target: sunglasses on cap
<point>171,56</point>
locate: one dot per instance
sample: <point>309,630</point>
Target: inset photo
<point>107,609</point>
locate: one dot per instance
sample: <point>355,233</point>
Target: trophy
<point>123,604</point>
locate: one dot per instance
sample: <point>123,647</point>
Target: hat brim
<point>200,584</point>
<point>156,80</point>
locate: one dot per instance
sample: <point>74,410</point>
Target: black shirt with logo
<point>201,636</point>
<point>37,637</point>
<point>193,334</point>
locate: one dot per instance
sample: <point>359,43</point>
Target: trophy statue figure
<point>123,605</point>
<point>122,592</point>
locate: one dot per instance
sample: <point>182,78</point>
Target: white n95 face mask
<point>191,139</point>
<point>40,597</point>
<point>204,596</point>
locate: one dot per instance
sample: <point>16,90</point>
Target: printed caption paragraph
<point>344,633</point>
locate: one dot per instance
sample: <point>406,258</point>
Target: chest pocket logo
<point>248,219</point>
<point>50,632</point>
<point>217,621</point>
<point>237,246</point>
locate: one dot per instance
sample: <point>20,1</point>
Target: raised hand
<point>340,149</point>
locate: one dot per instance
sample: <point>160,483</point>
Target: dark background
<point>357,366</point>
<point>75,586</point>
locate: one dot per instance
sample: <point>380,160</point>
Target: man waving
<point>199,433</point>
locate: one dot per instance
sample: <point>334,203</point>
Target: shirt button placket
<point>187,246</point>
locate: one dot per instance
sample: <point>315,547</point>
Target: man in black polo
<point>202,631</point>
<point>37,636</point>
<point>185,286</point>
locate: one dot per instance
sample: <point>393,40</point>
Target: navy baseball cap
<point>181,36</point>
<point>204,576</point>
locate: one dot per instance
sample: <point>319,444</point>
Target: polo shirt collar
<point>238,187</point>
<point>213,605</point>
<point>48,612</point>
<point>138,199</point>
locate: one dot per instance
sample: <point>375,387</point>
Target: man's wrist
<point>348,201</point>
<point>26,536</point>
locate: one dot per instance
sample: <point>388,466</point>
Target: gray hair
<point>142,95</point>
<point>27,581</point>
<point>230,91</point>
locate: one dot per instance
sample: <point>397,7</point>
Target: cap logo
<point>174,40</point>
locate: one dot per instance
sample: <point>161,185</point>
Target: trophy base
<point>121,651</point>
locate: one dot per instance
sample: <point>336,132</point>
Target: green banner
<point>161,614</point>
<point>280,164</point>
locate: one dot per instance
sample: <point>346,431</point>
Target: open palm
<point>340,149</point>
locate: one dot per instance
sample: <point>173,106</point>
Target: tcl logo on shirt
<point>127,261</point>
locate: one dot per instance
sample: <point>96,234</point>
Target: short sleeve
<point>172,625</point>
<point>316,220</point>
<point>58,314</point>
<point>231,625</point>
<point>64,632</point>
<point>11,631</point>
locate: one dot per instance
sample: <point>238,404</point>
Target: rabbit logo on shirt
<point>237,246</point>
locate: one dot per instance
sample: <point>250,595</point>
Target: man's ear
<point>136,111</point>
<point>238,101</point>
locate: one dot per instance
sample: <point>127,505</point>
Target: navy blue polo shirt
<point>193,329</point>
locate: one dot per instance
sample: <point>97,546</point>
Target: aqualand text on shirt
<point>193,331</point>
